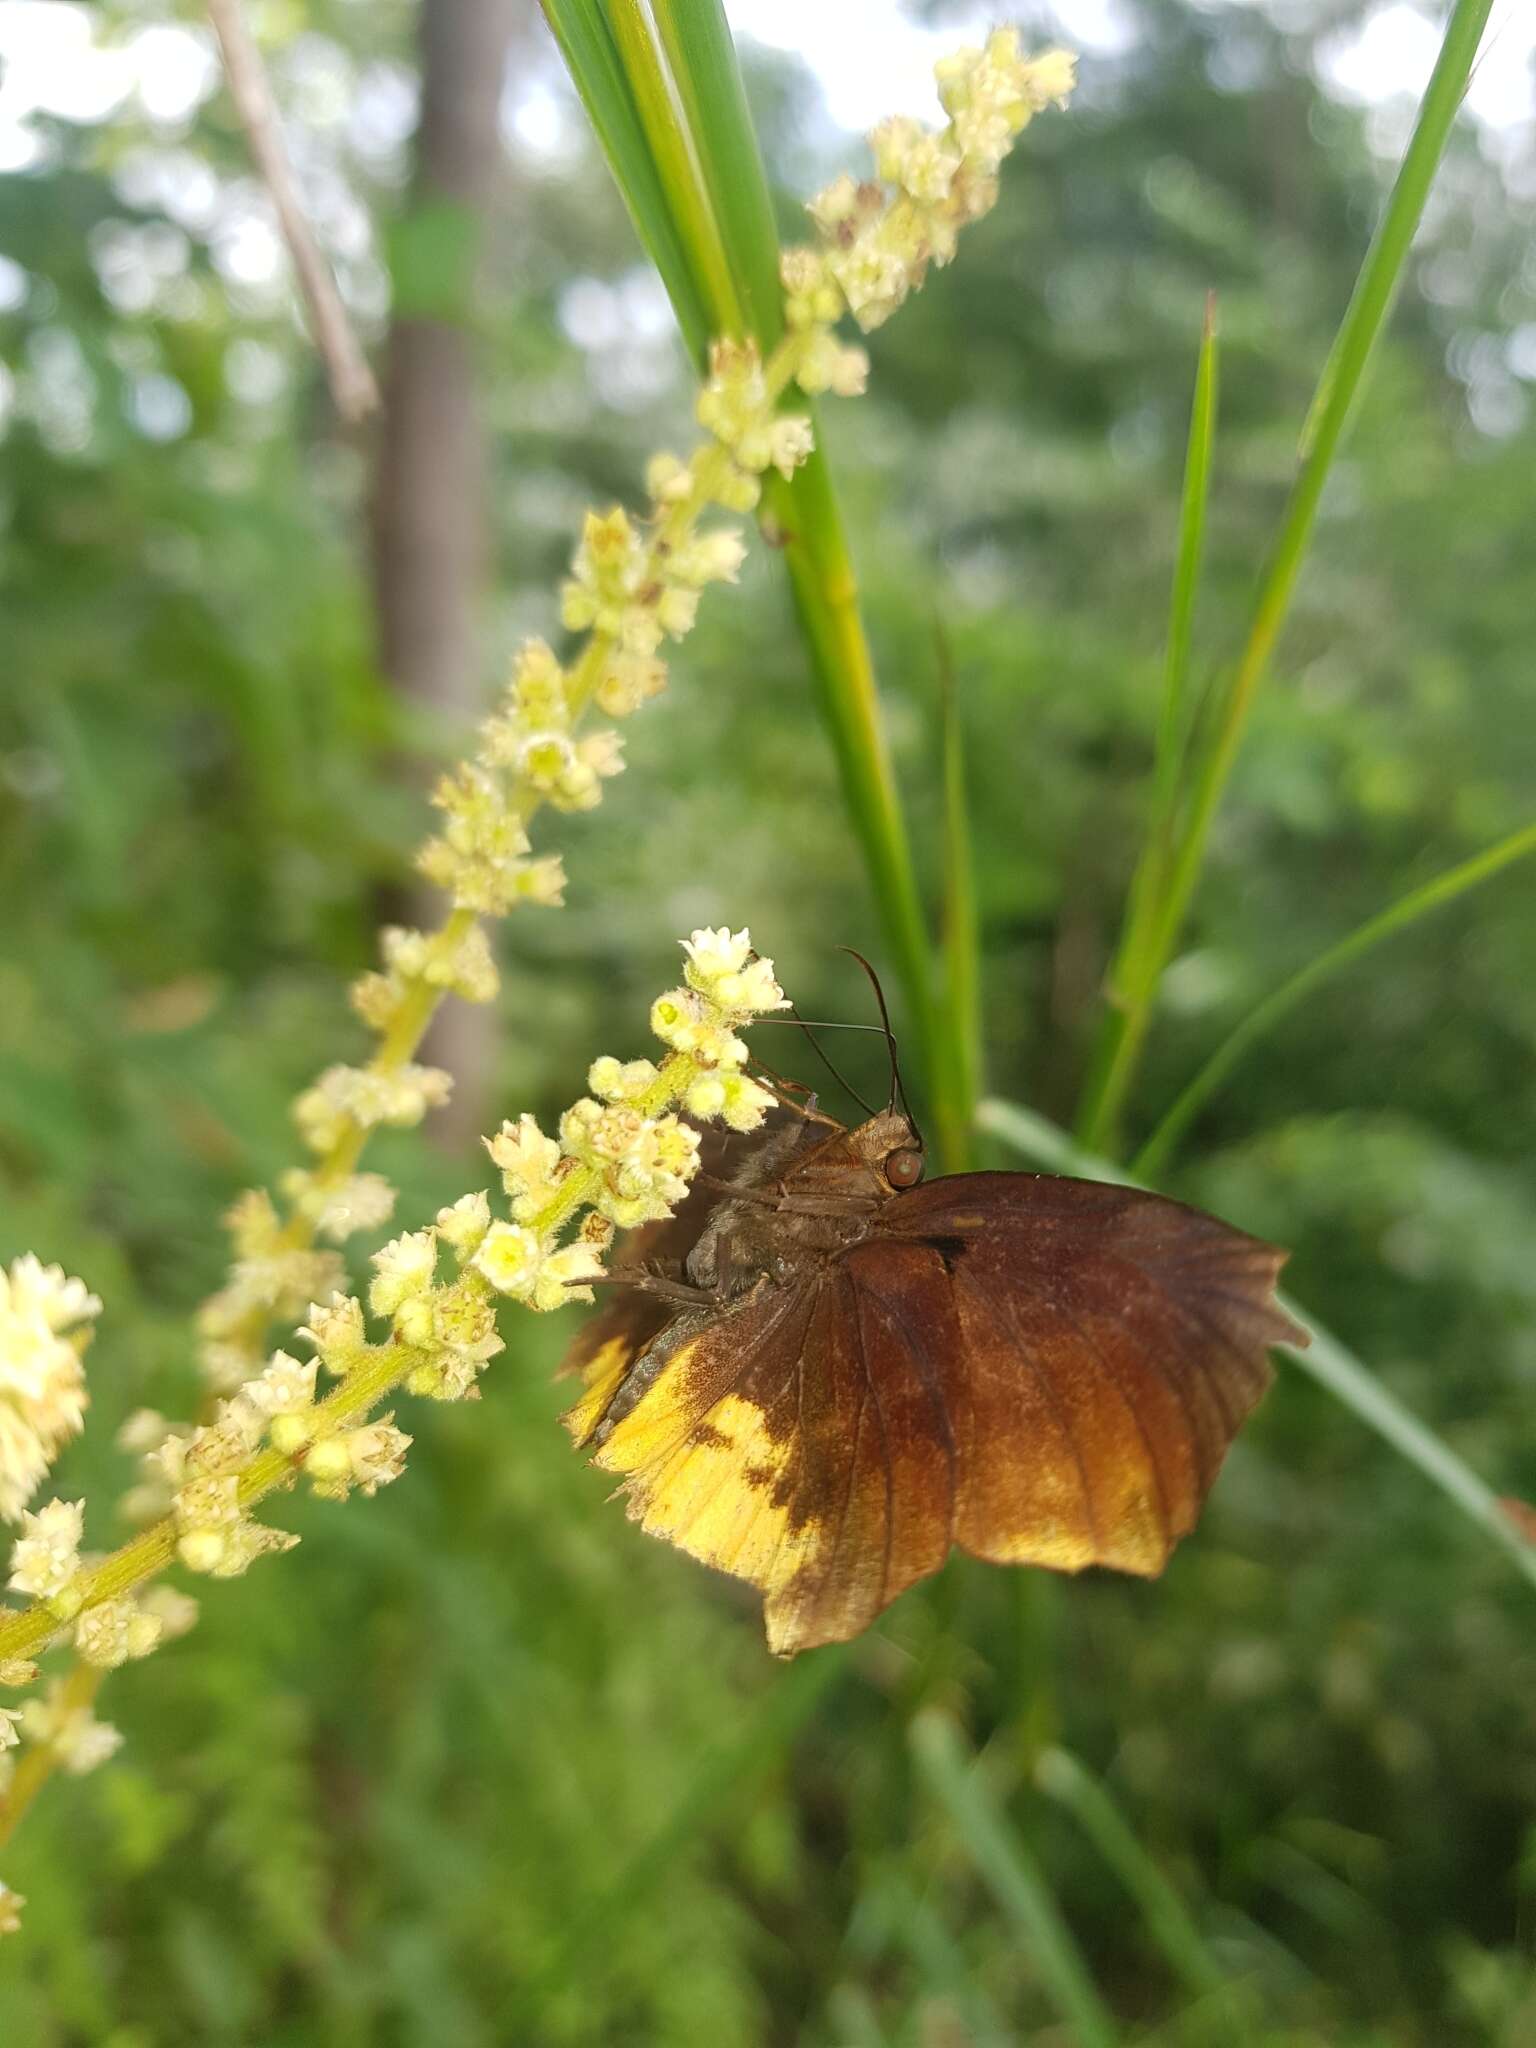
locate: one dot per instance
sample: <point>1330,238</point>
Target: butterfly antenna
<point>821,1054</point>
<point>809,1025</point>
<point>898,1091</point>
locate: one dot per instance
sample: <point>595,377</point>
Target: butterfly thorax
<point>809,1192</point>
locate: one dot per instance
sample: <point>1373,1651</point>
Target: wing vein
<point>885,1449</point>
<point>1164,1513</point>
<point>1053,1401</point>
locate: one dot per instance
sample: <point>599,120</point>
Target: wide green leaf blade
<point>702,56</point>
<point>665,123</point>
<point>597,70</point>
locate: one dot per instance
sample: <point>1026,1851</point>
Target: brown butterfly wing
<point>1109,1345</point>
<point>1046,1371</point>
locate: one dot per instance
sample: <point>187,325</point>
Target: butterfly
<point>826,1371</point>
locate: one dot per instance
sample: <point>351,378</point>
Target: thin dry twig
<point>353,389</point>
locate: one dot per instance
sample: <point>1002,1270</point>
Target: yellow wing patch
<point>602,1377</point>
<point>708,1484</point>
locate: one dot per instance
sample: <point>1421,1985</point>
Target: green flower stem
<point>376,1375</point>
<point>810,526</point>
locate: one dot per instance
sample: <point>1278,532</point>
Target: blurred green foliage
<point>480,1764</point>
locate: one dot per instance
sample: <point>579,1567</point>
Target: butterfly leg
<point>663,1286</point>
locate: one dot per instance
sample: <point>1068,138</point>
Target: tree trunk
<point>429,513</point>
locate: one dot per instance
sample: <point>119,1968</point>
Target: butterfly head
<point>891,1148</point>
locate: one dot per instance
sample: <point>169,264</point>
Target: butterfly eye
<point>904,1167</point>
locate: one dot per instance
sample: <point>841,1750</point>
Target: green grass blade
<point>664,121</point>
<point>1129,968</point>
<point>592,58</point>
<point>1014,1878</point>
<point>959,1046</point>
<point>1332,1364</point>
<point>826,595</point>
<point>1417,903</point>
<point>1125,1029</point>
<point>702,55</point>
<point>710,98</point>
<point>1199,457</point>
<point>1062,1778</point>
<point>941,1963</point>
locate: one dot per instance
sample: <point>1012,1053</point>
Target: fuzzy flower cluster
<point>46,1563</point>
<point>623,1152</point>
<point>273,1276</point>
<point>623,1157</point>
<point>634,586</point>
<point>44,1328</point>
<point>878,239</point>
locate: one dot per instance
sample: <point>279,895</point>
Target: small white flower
<point>42,1382</point>
<point>284,1386</point>
<point>714,557</point>
<point>529,1163</point>
<point>706,1097</point>
<point>115,1631</point>
<point>463,1225</point>
<point>84,1744</point>
<point>561,1276</point>
<point>78,1740</point>
<point>377,1451</point>
<point>510,1257</point>
<point>175,1611</point>
<point>403,1269</point>
<point>712,953</point>
<point>361,1202</point>
<point>368,1458</point>
<point>337,1331</point>
<point>746,1103</point>
<point>46,1555</point>
<point>142,1431</point>
<point>668,479</point>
